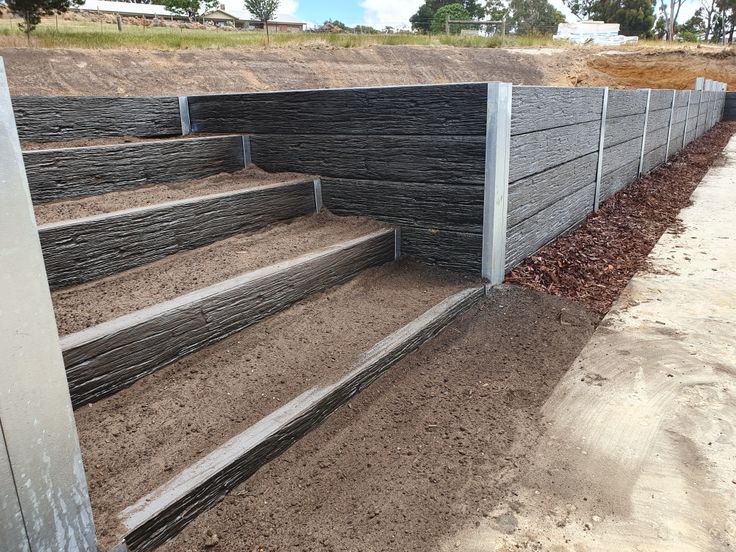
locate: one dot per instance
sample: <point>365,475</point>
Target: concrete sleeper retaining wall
<point>105,358</point>
<point>81,250</point>
<point>162,514</point>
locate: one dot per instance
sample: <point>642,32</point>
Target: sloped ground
<point>36,71</point>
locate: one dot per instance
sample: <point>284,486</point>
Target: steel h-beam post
<point>601,145</point>
<point>44,506</point>
<point>495,197</point>
<point>644,134</point>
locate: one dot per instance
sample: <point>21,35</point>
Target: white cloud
<point>394,13</point>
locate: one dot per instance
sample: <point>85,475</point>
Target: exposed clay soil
<point>88,304</point>
<point>594,263</point>
<point>142,436</point>
<point>44,72</point>
<point>160,193</point>
<point>433,443</point>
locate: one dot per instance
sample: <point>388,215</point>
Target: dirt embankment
<point>145,72</point>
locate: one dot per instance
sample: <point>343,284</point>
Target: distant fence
<point>477,175</point>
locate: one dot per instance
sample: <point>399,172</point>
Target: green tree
<point>636,17</point>
<point>534,17</point>
<point>190,8</point>
<point>423,19</point>
<point>495,10</point>
<point>452,11</point>
<point>32,10</point>
<point>263,10</point>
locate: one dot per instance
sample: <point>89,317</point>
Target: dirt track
<point>145,72</point>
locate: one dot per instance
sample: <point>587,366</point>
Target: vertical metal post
<point>317,195</point>
<point>186,122</point>
<point>669,130</point>
<point>687,116</point>
<point>42,467</point>
<point>644,135</point>
<point>247,154</point>
<point>601,145</point>
<point>495,196</point>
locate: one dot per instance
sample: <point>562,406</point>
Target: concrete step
<point>113,353</point>
<point>59,173</point>
<point>77,251</point>
<point>211,419</point>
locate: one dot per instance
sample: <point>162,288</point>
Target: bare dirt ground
<point>434,442</point>
<point>142,436</point>
<point>88,304</point>
<point>144,72</point>
<point>160,193</point>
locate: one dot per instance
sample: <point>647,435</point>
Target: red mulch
<point>593,264</point>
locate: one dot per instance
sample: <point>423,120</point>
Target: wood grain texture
<point>74,172</point>
<point>661,99</point>
<point>54,118</point>
<point>534,232</point>
<point>618,179</point>
<point>165,512</point>
<point>658,119</point>
<point>538,151</point>
<point>460,251</point>
<point>105,358</point>
<point>627,153</point>
<point>448,109</point>
<point>535,108</point>
<point>83,250</point>
<point>623,129</point>
<point>530,195</point>
<point>438,159</point>
<point>656,139</point>
<point>654,158</point>
<point>457,208</point>
<point>626,102</point>
<point>729,112</point>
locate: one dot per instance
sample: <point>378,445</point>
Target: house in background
<point>244,20</point>
<point>219,17</point>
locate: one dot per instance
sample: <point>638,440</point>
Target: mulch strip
<point>594,263</point>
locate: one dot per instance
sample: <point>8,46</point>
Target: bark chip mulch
<point>593,264</point>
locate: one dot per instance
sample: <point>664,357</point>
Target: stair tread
<point>139,438</point>
<point>88,304</point>
<point>160,193</point>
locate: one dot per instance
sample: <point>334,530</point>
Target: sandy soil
<point>34,71</point>
<point>432,444</point>
<point>639,451</point>
<point>160,193</point>
<point>84,142</point>
<point>88,304</point>
<point>140,437</point>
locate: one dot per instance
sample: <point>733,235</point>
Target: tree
<point>263,10</point>
<point>452,11</point>
<point>423,19</point>
<point>670,11</point>
<point>636,17</point>
<point>32,10</point>
<point>495,10</point>
<point>189,8</point>
<point>534,17</point>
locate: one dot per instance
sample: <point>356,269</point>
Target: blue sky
<point>382,13</point>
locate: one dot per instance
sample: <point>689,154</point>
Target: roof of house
<point>242,15</point>
<point>129,8</point>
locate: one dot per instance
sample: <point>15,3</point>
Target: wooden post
<point>495,196</point>
<point>447,24</point>
<point>601,145</point>
<point>44,504</point>
<point>644,134</point>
